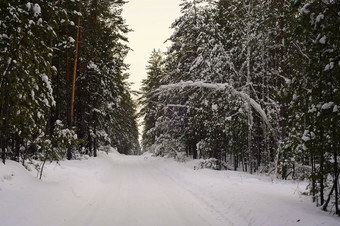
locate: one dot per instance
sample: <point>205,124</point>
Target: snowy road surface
<point>118,190</point>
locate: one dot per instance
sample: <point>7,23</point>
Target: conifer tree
<point>39,46</point>
<point>151,108</point>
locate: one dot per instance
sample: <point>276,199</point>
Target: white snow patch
<point>322,40</point>
<point>320,17</point>
<point>329,66</point>
<point>53,68</point>
<point>40,21</point>
<point>305,136</point>
<point>28,6</point>
<point>77,13</point>
<point>214,107</point>
<point>326,106</point>
<point>36,9</point>
<point>304,8</point>
<point>71,39</point>
<point>312,109</point>
<point>92,65</point>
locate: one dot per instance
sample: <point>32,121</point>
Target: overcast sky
<point>150,20</point>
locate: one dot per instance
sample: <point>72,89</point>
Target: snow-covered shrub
<point>181,156</point>
<point>54,148</point>
<point>211,163</point>
<point>106,149</point>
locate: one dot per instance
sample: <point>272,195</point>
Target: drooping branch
<point>221,86</point>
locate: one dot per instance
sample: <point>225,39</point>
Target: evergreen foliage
<point>37,42</point>
<point>253,83</point>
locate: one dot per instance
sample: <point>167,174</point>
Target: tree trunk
<point>89,140</point>
<point>95,144</point>
<point>194,149</point>
<point>17,147</point>
<point>313,178</point>
<point>42,168</point>
<point>75,65</point>
<point>68,110</point>
<point>249,115</point>
<point>4,134</point>
<point>67,98</point>
<point>336,174</point>
<point>69,150</point>
<point>334,187</point>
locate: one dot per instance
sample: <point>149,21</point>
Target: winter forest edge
<point>246,85</point>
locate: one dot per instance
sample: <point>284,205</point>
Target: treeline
<point>255,84</point>
<point>62,79</point>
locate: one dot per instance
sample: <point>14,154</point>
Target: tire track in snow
<point>135,191</point>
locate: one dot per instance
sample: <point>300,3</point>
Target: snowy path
<point>136,192</point>
<point>118,190</point>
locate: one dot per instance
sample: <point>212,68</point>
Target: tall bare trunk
<point>69,151</point>
<point>75,65</point>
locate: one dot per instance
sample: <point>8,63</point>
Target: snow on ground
<point>123,190</point>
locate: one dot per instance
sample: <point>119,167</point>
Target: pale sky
<point>150,20</point>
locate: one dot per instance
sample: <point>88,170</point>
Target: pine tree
<point>38,42</point>
<point>26,89</point>
<point>315,98</point>
<point>151,108</point>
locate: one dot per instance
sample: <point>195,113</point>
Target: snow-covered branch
<point>220,86</point>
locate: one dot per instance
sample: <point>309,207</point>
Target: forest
<point>63,88</point>
<point>251,85</point>
<point>246,85</point>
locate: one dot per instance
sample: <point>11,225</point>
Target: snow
<point>329,66</point>
<point>71,39</point>
<point>28,6</point>
<point>40,21</point>
<point>326,106</point>
<point>312,109</point>
<point>320,17</point>
<point>77,13</point>
<point>214,107</point>
<point>295,97</point>
<point>304,8</point>
<point>123,190</point>
<point>92,65</point>
<point>322,40</point>
<point>305,138</point>
<point>221,86</point>
<point>36,9</point>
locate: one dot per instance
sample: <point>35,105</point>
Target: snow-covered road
<point>118,190</point>
<point>135,191</point>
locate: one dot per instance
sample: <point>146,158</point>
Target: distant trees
<point>151,106</point>
<point>254,84</point>
<point>38,57</point>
